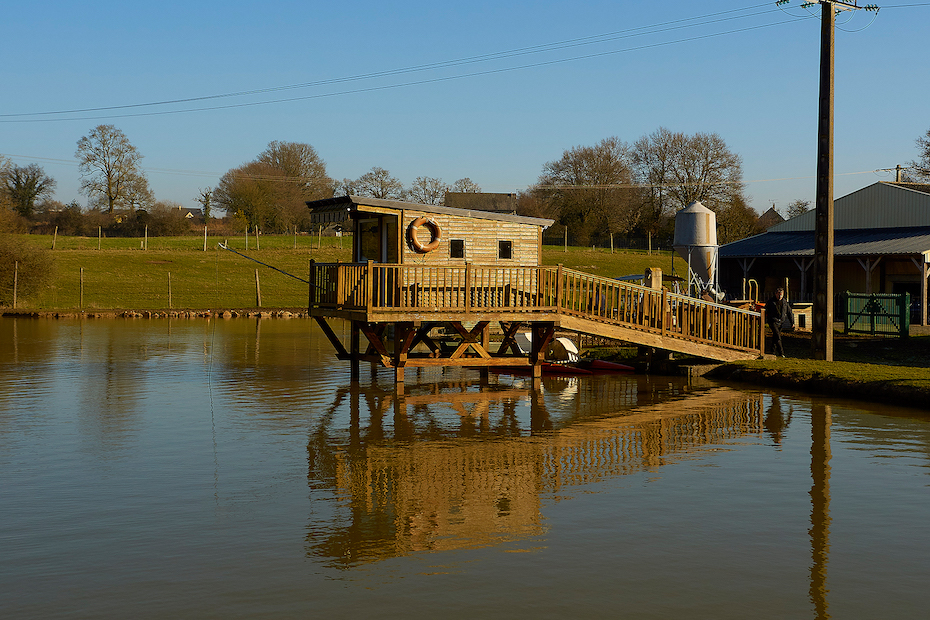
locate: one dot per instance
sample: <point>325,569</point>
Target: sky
<point>486,90</point>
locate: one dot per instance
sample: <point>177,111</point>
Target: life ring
<point>434,231</point>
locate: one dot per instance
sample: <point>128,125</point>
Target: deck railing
<point>382,288</point>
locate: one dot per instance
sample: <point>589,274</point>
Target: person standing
<point>779,316</point>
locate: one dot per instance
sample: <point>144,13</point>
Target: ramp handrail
<point>423,289</point>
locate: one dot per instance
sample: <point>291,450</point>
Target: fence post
<point>99,232</point>
<point>258,291</point>
<point>82,288</point>
<point>904,318</point>
<point>169,290</point>
<point>558,288</point>
<point>146,236</point>
<point>15,281</point>
<point>204,237</point>
<point>55,238</point>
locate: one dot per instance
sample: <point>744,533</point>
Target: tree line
<point>612,187</point>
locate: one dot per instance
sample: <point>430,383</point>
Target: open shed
<point>881,245</point>
<point>395,232</point>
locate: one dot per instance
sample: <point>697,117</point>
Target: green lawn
<point>121,275</point>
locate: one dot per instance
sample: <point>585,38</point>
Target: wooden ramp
<point>463,301</point>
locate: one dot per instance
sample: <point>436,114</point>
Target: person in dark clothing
<point>779,316</point>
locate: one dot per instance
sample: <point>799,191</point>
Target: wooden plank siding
<point>480,236</point>
<point>575,300</point>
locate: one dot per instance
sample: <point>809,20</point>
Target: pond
<point>230,469</point>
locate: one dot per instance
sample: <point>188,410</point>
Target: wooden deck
<point>417,299</point>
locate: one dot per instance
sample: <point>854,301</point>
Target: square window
<point>457,248</point>
<point>505,249</point>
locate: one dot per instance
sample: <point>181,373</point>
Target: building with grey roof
<point>881,245</point>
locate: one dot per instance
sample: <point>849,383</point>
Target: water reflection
<point>478,478</point>
<point>190,462</point>
<point>820,507</point>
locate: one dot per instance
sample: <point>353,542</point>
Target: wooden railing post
<point>370,286</point>
<point>761,332</point>
<point>666,312</point>
<point>558,288</point>
<point>467,288</point>
<point>311,288</point>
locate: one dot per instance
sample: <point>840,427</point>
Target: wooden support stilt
<point>354,355</point>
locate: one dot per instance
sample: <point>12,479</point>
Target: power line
<point>589,40</point>
<point>411,83</point>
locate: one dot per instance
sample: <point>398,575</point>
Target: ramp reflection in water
<point>429,486</point>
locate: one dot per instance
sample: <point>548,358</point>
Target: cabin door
<point>377,240</point>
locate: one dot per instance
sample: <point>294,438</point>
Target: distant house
<point>881,245</point>
<point>195,215</point>
<point>769,218</point>
<point>482,201</point>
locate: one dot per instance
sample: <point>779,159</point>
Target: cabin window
<point>457,248</point>
<point>505,249</point>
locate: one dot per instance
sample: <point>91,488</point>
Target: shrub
<point>35,268</point>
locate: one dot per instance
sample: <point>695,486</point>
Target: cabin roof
<point>338,209</point>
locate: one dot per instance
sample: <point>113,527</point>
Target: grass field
<point>121,275</point>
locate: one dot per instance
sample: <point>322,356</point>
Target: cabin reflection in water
<point>434,482</point>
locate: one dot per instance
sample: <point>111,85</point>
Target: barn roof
<point>338,209</point>
<point>862,242</point>
<point>880,205</point>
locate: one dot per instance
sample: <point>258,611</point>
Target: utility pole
<point>822,327</point>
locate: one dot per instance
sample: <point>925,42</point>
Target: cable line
<point>411,83</point>
<point>291,275</point>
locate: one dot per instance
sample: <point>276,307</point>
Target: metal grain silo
<point>696,242</point>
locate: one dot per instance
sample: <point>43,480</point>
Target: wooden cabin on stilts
<point>427,282</point>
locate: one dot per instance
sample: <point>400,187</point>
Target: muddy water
<point>154,469</point>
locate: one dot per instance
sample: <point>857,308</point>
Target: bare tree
<point>590,189</point>
<point>428,191</point>
<point>250,192</point>
<point>271,192</point>
<point>205,198</point>
<point>301,164</point>
<point>345,187</point>
<point>24,185</point>
<point>920,168</point>
<point>378,183</point>
<point>109,165</point>
<point>465,185</point>
<point>798,207</point>
<point>680,169</point>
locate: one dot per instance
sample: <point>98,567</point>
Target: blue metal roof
<point>880,241</point>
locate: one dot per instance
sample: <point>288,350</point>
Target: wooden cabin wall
<point>481,238</point>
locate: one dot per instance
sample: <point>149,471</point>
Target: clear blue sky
<point>631,67</point>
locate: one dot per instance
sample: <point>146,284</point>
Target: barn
<point>881,245</point>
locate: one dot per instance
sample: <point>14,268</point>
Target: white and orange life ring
<point>434,231</point>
